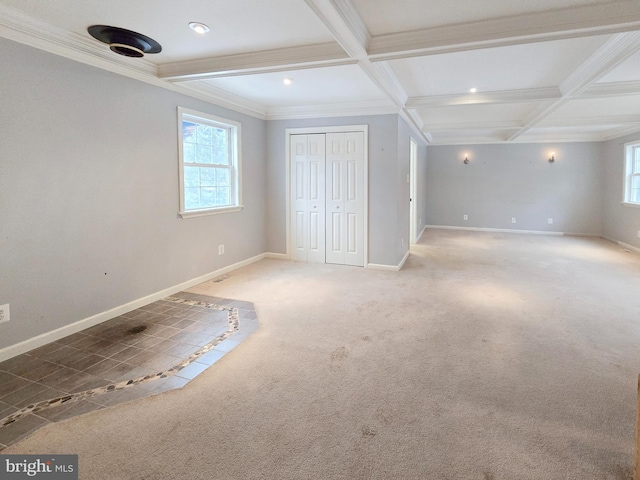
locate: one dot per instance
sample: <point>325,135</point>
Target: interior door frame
<point>329,129</point>
<point>413,191</point>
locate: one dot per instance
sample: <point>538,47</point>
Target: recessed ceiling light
<point>199,27</point>
<point>473,90</point>
<point>287,81</point>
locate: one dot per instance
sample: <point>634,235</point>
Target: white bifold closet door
<point>344,198</point>
<point>308,198</point>
<point>327,198</point>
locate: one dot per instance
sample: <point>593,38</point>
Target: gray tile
<point>170,321</point>
<point>45,350</point>
<point>71,382</point>
<point>181,350</point>
<point>112,349</point>
<point>119,372</point>
<point>166,332</point>
<point>73,358</point>
<point>86,362</point>
<point>71,339</point>
<point>192,371</point>
<point>94,382</point>
<point>164,384</point>
<point>126,395</point>
<point>21,398</point>
<point>211,357</point>
<point>227,345</point>
<point>20,429</point>
<point>126,354</point>
<point>21,364</point>
<point>96,346</point>
<point>160,362</point>
<point>182,324</point>
<point>6,410</point>
<point>148,342</point>
<point>42,395</point>
<point>63,352</point>
<point>56,379</point>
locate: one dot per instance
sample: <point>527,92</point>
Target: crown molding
<point>282,59</point>
<point>17,26</point>
<point>222,98</point>
<point>620,132</point>
<point>497,97</point>
<point>609,18</point>
<point>611,89</point>
<point>376,107</point>
<point>479,125</point>
<point>606,120</point>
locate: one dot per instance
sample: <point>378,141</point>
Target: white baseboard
<point>389,268</point>
<point>277,256</point>
<point>420,235</point>
<point>48,337</point>
<point>493,230</point>
<point>622,244</point>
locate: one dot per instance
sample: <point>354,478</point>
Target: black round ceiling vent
<point>124,42</point>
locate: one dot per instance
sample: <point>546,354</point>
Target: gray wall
<point>89,193</point>
<point>505,181</point>
<point>383,183</point>
<point>619,222</point>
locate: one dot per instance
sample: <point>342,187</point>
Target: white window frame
<point>235,160</point>
<point>629,150</point>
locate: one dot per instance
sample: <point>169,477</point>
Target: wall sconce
<point>466,159</point>
<point>552,158</point>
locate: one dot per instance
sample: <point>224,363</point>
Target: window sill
<point>627,204</point>
<point>213,211</point>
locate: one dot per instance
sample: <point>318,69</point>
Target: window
<point>632,173</point>
<point>209,164</point>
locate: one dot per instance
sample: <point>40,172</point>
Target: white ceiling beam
<point>611,89</point>
<point>607,18</point>
<point>292,58</point>
<point>478,125</point>
<point>498,97</point>
<point>614,51</point>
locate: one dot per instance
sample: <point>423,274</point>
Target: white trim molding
<point>494,230</point>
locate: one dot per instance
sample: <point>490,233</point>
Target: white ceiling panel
<point>470,136</point>
<point>533,65</point>
<point>236,27</point>
<point>478,114</point>
<point>627,71</point>
<point>310,87</point>
<point>401,15</point>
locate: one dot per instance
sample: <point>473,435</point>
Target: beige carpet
<point>487,357</point>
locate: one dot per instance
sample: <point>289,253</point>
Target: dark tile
<point>160,362</point>
<point>12,384</point>
<point>192,371</point>
<point>181,350</point>
<point>20,398</point>
<point>119,372</point>
<point>42,395</point>
<point>6,410</point>
<point>21,364</point>
<point>63,352</point>
<point>86,343</point>
<point>71,339</point>
<point>142,357</point>
<point>163,346</point>
<point>112,349</point>
<point>47,369</point>
<point>21,429</point>
<point>70,382</point>
<point>62,412</point>
<point>45,350</point>
<point>95,382</point>
<point>73,358</point>
<point>99,368</point>
<point>57,378</point>
<point>148,342</point>
<point>126,354</point>
<point>97,346</point>
<point>166,332</point>
<point>169,321</point>
<point>183,324</point>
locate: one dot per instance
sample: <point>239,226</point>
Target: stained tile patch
<point>90,369</point>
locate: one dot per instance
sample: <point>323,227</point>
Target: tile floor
<point>150,350</point>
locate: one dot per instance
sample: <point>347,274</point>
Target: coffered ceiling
<point>543,70</point>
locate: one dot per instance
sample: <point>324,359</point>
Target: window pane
<point>635,195</point>
<point>204,154</point>
<point>208,177</point>
<point>191,198</point>
<point>205,135</point>
<point>191,177</point>
<point>636,160</point>
<point>222,177</point>
<point>220,146</point>
<point>189,132</point>
<point>223,196</point>
<point>208,197</point>
<point>189,152</point>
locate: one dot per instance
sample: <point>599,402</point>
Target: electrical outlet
<point>550,221</point>
<point>4,313</point>
<point>402,242</point>
<point>513,219</point>
<point>220,249</point>
<point>465,217</point>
